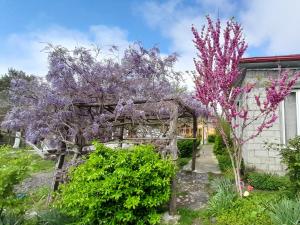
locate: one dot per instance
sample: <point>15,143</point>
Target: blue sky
<point>270,26</point>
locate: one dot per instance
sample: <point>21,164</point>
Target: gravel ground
<point>35,181</point>
<point>191,190</point>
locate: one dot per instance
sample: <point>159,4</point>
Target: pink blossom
<point>217,78</point>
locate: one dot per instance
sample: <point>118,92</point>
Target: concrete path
<point>192,187</point>
<point>206,161</point>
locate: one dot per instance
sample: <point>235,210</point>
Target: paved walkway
<point>192,186</point>
<point>206,161</point>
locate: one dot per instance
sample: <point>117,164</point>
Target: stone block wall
<point>255,153</point>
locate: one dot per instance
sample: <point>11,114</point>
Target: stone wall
<point>254,152</point>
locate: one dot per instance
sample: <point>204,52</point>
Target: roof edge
<point>295,57</point>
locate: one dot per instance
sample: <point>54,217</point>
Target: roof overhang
<point>267,63</point>
<point>270,62</point>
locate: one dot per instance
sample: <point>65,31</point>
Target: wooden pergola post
<point>174,151</point>
<point>59,165</point>
<point>203,132</point>
<point>121,137</point>
<point>194,142</point>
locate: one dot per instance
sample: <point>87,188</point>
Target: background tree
<point>5,84</point>
<point>219,53</point>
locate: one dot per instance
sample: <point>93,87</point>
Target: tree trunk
<point>237,169</point>
<point>79,142</point>
<point>194,142</point>
<point>121,135</point>
<point>59,166</point>
<point>172,205</point>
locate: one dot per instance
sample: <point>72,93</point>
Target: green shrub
<point>265,181</point>
<point>120,186</point>
<point>247,211</point>
<point>291,157</point>
<point>211,138</point>
<point>14,165</point>
<point>285,212</point>
<point>221,153</point>
<point>224,162</point>
<point>185,147</point>
<point>219,146</point>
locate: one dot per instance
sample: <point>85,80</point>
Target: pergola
<point>176,108</point>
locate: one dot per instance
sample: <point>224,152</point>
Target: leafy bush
<point>221,153</point>
<point>291,157</point>
<point>219,146</point>
<point>247,211</point>
<point>185,147</point>
<point>121,186</point>
<point>224,162</point>
<point>285,212</point>
<point>265,181</point>
<point>14,165</point>
<point>223,197</point>
<point>211,138</point>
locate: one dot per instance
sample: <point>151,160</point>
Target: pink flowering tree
<point>217,81</point>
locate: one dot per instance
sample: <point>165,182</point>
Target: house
<point>204,128</point>
<point>286,126</point>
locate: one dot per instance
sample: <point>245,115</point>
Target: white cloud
<point>272,25</point>
<point>174,19</point>
<point>24,51</point>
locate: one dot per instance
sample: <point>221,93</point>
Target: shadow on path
<point>206,161</point>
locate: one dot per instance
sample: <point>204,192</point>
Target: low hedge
<point>219,146</point>
<point>221,153</point>
<point>224,162</point>
<point>185,147</point>
<point>211,138</point>
<point>266,181</point>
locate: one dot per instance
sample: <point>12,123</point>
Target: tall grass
<point>285,212</point>
<point>223,197</point>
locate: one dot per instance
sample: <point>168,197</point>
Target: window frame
<point>297,91</point>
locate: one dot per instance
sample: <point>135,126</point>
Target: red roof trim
<point>271,59</point>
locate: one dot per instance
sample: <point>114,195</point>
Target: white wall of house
<point>255,153</point>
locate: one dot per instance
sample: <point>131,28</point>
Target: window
<point>291,118</point>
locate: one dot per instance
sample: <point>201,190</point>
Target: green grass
<point>37,199</point>
<point>38,164</point>
<point>188,216</point>
<point>181,162</point>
